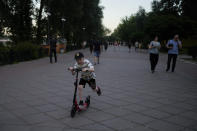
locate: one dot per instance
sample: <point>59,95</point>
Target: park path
<point>37,96</point>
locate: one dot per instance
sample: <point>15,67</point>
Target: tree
<point>39,20</point>
<point>17,15</point>
<point>188,9</point>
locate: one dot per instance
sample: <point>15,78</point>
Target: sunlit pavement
<point>37,95</point>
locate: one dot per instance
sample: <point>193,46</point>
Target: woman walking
<point>154,53</point>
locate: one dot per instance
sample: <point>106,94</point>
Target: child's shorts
<point>91,82</point>
<point>97,53</point>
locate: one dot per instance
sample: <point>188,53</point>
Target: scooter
<point>75,106</point>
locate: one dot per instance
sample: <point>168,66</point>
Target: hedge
<point>21,52</point>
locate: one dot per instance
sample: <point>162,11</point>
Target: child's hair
<point>79,55</point>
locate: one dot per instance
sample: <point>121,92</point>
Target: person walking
<point>154,53</point>
<point>129,45</point>
<point>105,45</point>
<point>91,46</point>
<point>53,46</point>
<point>97,51</point>
<point>136,45</point>
<point>173,50</point>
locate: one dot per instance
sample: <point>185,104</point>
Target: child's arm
<point>90,67</point>
<point>72,70</point>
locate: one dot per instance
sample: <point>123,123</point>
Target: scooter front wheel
<point>73,111</point>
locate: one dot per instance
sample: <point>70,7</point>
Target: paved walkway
<point>37,96</point>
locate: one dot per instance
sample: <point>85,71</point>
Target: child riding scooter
<point>87,76</point>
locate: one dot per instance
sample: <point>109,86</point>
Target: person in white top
<point>154,53</point>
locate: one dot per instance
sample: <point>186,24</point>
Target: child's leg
<point>92,84</point>
<point>82,83</point>
<point>80,88</point>
<point>98,60</point>
<point>95,59</point>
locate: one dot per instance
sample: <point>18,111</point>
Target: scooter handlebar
<point>76,70</point>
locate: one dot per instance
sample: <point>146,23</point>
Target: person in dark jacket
<point>97,51</point>
<point>53,46</point>
<point>105,45</point>
<point>91,46</point>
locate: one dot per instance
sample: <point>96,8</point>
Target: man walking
<point>173,50</point>
<point>53,46</point>
<point>97,51</point>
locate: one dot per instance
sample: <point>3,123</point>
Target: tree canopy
<point>75,20</point>
<point>168,17</point>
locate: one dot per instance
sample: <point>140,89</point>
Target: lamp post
<point>83,33</point>
<point>63,20</point>
<point>84,43</point>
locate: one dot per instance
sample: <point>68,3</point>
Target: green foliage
<point>190,47</point>
<point>18,16</point>
<point>192,51</point>
<point>167,18</point>
<point>4,54</point>
<point>26,51</point>
<point>21,52</point>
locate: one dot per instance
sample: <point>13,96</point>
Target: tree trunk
<point>38,35</point>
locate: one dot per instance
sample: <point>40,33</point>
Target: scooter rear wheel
<point>88,101</point>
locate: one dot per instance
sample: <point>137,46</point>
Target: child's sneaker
<point>98,91</point>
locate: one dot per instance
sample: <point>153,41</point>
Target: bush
<point>190,47</point>
<point>26,51</point>
<point>193,52</point>
<point>4,55</point>
<point>21,52</point>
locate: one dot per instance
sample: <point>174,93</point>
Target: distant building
<point>61,45</point>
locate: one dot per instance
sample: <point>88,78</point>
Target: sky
<point>115,10</point>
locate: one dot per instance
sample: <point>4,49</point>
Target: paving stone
<point>156,114</point>
<point>36,102</point>
<point>164,126</point>
<point>132,98</point>
<point>53,123</point>
<point>150,104</point>
<point>58,114</point>
<point>36,119</point>
<point>117,111</point>
<point>46,128</point>
<point>190,114</point>
<point>99,116</point>
<point>136,108</point>
<point>118,124</point>
<point>171,109</point>
<point>6,115</point>
<point>15,128</point>
<point>77,121</point>
<point>139,128</point>
<point>139,118</point>
<point>181,121</point>
<point>25,111</point>
<point>96,127</point>
<point>14,106</point>
<point>47,107</point>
